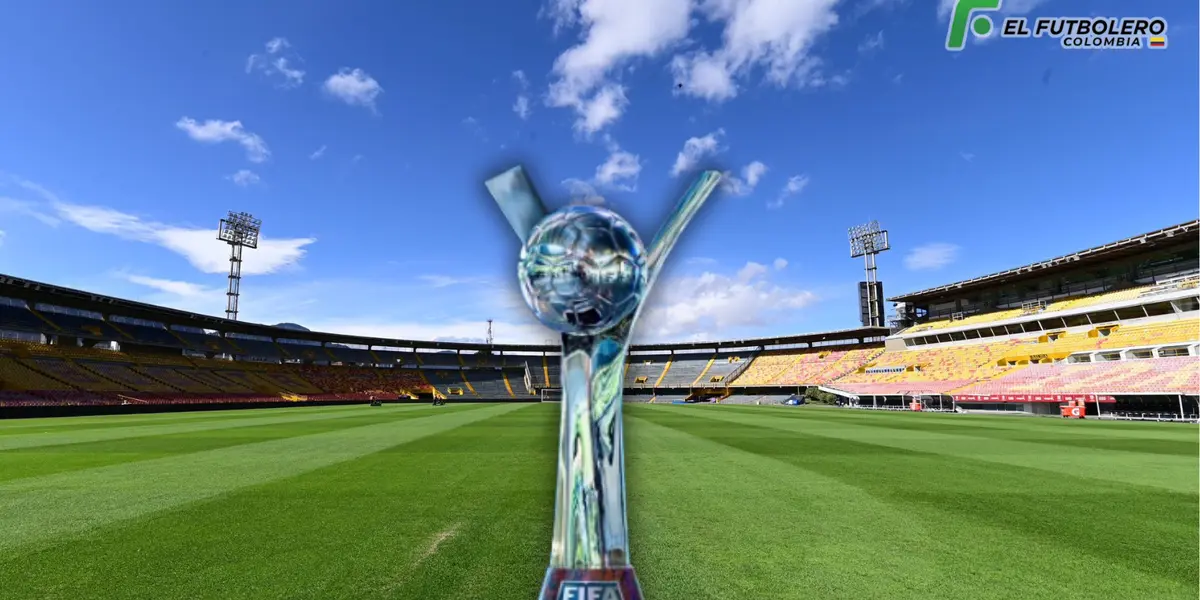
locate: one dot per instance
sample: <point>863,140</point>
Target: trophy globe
<point>582,270</point>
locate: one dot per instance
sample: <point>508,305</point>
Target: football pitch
<point>725,502</point>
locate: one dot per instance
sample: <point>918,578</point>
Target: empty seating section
<point>16,317</point>
<point>16,376</point>
<point>82,326</point>
<point>303,352</point>
<point>723,365</point>
<point>489,383</point>
<point>685,368</point>
<point>125,376</point>
<point>644,370</point>
<point>403,381</point>
<point>204,342</point>
<point>388,357</point>
<point>288,382</point>
<point>350,355</point>
<point>1119,336</point>
<point>1105,298</point>
<point>554,371</point>
<point>221,384</point>
<point>175,379</point>
<point>1176,375</point>
<point>975,319</point>
<point>766,367</point>
<point>449,382</point>
<point>70,373</point>
<point>259,348</point>
<point>928,370</point>
<point>439,359</point>
<point>156,336</point>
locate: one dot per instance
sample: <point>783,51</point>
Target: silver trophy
<point>584,272</point>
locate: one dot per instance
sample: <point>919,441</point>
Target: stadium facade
<point>1112,329</point>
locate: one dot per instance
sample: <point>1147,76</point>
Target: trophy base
<point>590,584</point>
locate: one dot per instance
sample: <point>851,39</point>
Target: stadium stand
<point>1118,320</point>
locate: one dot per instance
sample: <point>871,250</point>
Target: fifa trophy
<point>585,274</point>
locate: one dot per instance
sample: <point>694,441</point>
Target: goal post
<point>550,394</point>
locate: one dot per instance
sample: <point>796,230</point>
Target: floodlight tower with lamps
<point>868,241</point>
<point>239,230</point>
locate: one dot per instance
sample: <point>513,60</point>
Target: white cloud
<point>930,257</point>
<point>214,131</point>
<point>276,62</point>
<point>354,87</point>
<point>710,305</point>
<point>614,32</point>
<point>245,178</point>
<point>318,153</point>
<point>441,281</point>
<point>744,185</point>
<point>521,105</point>
<point>795,184</point>
<point>583,192</point>
<point>171,286</point>
<point>620,171</point>
<point>26,208</point>
<point>871,43</point>
<point>695,149</point>
<point>773,36</point>
<point>199,246</point>
<point>780,264</point>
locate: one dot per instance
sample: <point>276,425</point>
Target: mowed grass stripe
<point>1011,423</point>
<point>47,509</point>
<point>1079,438</point>
<point>463,513</point>
<point>77,436</point>
<point>858,520</point>
<point>46,460</point>
<point>52,424</point>
<point>1175,473</point>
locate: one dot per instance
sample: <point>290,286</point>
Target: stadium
<point>157,486</point>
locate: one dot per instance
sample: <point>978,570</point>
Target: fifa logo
<point>589,590</point>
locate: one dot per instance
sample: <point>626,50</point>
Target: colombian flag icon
<point>1158,42</point>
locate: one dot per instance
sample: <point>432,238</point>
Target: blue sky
<point>362,133</point>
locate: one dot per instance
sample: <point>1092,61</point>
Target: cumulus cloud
<point>745,184</point>
<point>613,33</point>
<point>277,62</point>
<point>354,87</point>
<point>582,192</point>
<point>712,304</point>
<point>795,184</point>
<point>215,131</point>
<point>694,150</point>
<point>199,246</point>
<point>780,264</point>
<point>176,287</point>
<point>759,35</point>
<point>245,178</point>
<point>620,171</point>
<point>931,257</point>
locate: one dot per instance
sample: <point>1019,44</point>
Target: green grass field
<point>725,502</point>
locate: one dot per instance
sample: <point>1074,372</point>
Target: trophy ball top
<point>582,270</point>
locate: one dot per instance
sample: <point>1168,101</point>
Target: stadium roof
<point>1122,248</point>
<point>35,292</point>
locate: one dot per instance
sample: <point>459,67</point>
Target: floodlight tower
<point>239,230</point>
<point>489,337</point>
<point>867,241</point>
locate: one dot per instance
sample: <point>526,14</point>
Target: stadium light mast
<point>868,241</point>
<point>489,337</point>
<point>239,230</point>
